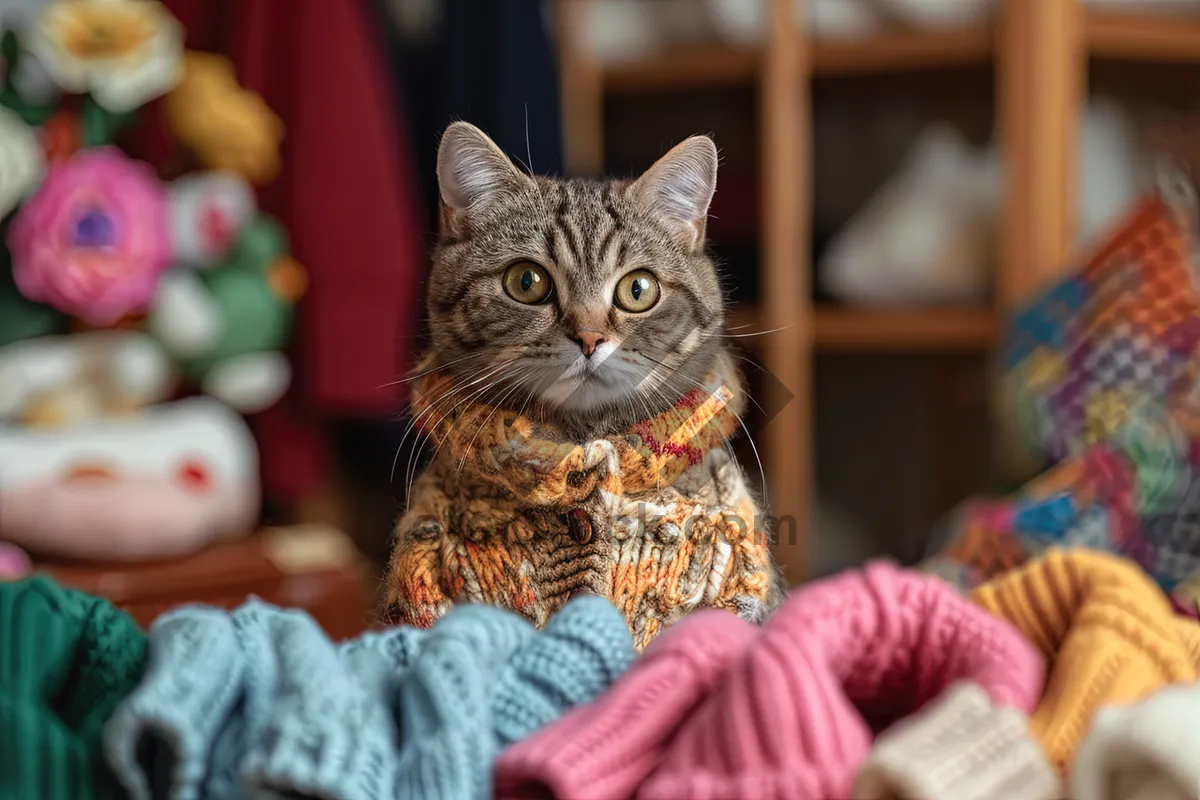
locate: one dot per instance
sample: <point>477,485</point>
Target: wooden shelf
<point>705,66</point>
<point>900,50</point>
<point>715,65</point>
<point>1173,38</point>
<point>888,330</point>
<point>848,329</point>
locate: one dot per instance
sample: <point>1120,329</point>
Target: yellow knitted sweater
<point>509,512</point>
<point>1106,629</point>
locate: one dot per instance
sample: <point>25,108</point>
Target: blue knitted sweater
<point>259,703</point>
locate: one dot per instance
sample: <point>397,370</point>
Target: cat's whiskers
<point>429,371</point>
<point>751,334</point>
<point>516,384</point>
<point>426,412</point>
<point>419,444</point>
<point>473,396</point>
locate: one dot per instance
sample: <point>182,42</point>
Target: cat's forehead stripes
<point>583,236</point>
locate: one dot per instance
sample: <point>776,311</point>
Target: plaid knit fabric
<point>1102,377</point>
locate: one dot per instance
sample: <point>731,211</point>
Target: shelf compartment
<point>716,65</point>
<point>902,50</point>
<point>1170,38</point>
<point>704,66</point>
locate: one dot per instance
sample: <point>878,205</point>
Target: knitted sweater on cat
<point>510,512</point>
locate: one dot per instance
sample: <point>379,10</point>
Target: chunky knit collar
<point>535,462</point>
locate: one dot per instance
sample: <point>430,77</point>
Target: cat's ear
<point>473,171</point>
<point>680,186</point>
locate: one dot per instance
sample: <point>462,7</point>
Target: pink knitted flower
<point>94,239</point>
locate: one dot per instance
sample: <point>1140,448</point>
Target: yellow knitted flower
<point>226,126</point>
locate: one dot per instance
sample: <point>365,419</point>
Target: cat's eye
<point>638,291</point>
<point>528,283</point>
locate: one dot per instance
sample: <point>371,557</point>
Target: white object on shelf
<point>742,23</point>
<point>937,13</point>
<point>926,236</point>
<point>620,31</point>
<point>841,19</point>
<point>617,31</point>
<point>1152,6</point>
<point>1111,175</point>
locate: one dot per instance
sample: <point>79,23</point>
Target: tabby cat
<point>580,398</point>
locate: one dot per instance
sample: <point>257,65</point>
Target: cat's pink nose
<point>588,341</point>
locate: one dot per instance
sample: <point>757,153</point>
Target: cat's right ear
<point>473,171</point>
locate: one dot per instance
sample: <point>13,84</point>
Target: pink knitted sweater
<point>791,712</point>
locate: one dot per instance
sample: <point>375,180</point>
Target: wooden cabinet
<point>316,572</point>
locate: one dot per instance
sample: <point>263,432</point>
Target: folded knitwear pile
<point>1069,677</point>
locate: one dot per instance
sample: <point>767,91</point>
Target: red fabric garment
<point>346,195</point>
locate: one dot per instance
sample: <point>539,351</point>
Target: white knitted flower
<point>22,161</point>
<point>16,14</point>
<point>123,52</point>
<point>208,209</point>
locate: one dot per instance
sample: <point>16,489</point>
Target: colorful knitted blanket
<point>1103,381</point>
<point>510,512</point>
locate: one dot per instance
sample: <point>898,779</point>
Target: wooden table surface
<point>315,570</point>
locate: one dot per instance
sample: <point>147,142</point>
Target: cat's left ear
<point>679,188</point>
<point>473,172</point>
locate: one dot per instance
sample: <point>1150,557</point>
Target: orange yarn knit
<point>510,512</point>
<point>1107,630</point>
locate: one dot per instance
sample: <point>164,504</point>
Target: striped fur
<point>481,524</point>
<point>587,235</point>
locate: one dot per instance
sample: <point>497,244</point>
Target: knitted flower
<point>208,211</point>
<point>124,53</point>
<point>226,126</point>
<point>93,240</point>
<point>22,164</point>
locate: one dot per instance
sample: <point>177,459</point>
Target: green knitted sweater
<point>66,661</point>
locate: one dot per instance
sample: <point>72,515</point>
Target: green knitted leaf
<point>100,126</point>
<point>10,98</point>
<point>21,318</point>
<point>255,318</point>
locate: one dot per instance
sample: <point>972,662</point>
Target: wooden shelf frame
<point>872,330</point>
<point>1039,50</point>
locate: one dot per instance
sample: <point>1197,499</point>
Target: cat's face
<point>592,303</point>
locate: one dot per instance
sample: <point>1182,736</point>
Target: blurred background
<point>897,175</point>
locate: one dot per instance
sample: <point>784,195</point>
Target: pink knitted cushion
<point>604,750</point>
<point>841,660</point>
